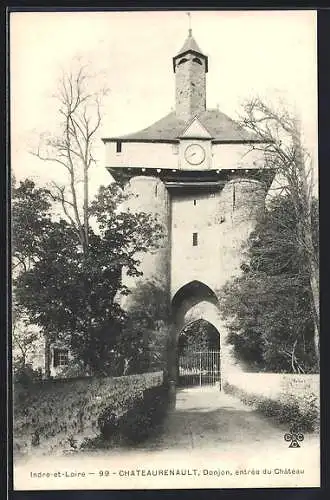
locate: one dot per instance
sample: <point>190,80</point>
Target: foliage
<point>25,341</point>
<point>70,290</point>
<point>199,336</point>
<point>25,374</point>
<point>139,418</point>
<point>281,142</point>
<point>30,219</point>
<point>270,303</point>
<point>75,368</point>
<point>144,337</point>
<point>71,293</point>
<point>60,411</point>
<point>298,411</point>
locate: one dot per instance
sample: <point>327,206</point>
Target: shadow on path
<point>208,418</point>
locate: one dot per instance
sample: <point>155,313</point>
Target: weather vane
<point>189,17</point>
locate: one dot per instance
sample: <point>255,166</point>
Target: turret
<point>190,66</point>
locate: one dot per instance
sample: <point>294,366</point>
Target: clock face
<point>194,154</point>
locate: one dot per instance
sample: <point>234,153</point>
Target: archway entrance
<point>194,358</point>
<point>199,355</point>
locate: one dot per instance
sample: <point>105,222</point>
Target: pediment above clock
<point>196,130</point>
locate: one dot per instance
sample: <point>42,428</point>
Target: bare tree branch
<point>282,146</point>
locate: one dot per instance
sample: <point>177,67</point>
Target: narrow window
<point>175,149</point>
<point>118,147</point>
<point>195,239</point>
<point>195,202</point>
<point>61,357</point>
<point>234,198</point>
<point>156,188</point>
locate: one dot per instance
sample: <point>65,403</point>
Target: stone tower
<point>198,170</point>
<point>190,66</point>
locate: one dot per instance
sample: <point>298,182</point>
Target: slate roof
<point>170,129</point>
<point>190,44</point>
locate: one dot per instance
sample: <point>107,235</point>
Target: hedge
<point>296,404</point>
<point>59,414</point>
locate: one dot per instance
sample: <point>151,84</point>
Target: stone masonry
<point>197,170</point>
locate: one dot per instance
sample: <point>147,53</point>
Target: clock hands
<point>194,154</point>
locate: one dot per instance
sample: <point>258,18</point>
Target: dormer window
<point>198,61</point>
<point>118,146</point>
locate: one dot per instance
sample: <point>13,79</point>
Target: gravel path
<point>207,418</point>
<point>208,434</point>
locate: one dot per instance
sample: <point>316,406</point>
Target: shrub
<point>140,417</point>
<point>141,421</point>
<point>26,375</point>
<point>299,411</point>
<point>63,409</point>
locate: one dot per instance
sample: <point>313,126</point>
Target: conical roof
<point>190,44</point>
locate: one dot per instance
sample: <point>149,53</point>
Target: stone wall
<point>148,194</point>
<point>190,92</point>
<point>223,222</point>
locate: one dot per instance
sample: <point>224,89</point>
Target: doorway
<point>199,362</point>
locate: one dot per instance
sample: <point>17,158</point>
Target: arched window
<point>198,61</point>
<point>182,61</point>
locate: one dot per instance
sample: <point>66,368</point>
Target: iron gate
<point>199,368</point>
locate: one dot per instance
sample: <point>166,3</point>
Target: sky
<point>271,54</point>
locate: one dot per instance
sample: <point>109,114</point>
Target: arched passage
<point>195,304</point>
<point>200,335</point>
<point>198,354</point>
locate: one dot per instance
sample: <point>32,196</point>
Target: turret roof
<point>190,44</point>
<point>170,128</point>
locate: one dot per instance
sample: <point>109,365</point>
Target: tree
<point>270,303</point>
<point>282,145</point>
<point>31,221</point>
<point>79,100</point>
<point>30,218</point>
<point>144,338</point>
<point>71,294</point>
<point>25,340</point>
<point>71,291</point>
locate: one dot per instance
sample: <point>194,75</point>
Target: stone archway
<point>193,302</point>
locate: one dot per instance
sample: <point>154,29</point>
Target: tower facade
<point>197,170</point>
<point>190,66</point>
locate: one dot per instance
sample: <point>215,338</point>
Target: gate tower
<point>199,171</point>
